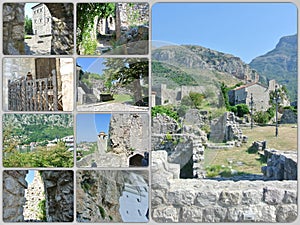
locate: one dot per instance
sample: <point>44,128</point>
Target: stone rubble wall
<point>129,133</point>
<point>203,200</point>
<point>98,194</point>
<point>280,165</point>
<point>14,185</point>
<point>226,129</point>
<point>13,28</point>
<point>34,194</point>
<point>59,192</point>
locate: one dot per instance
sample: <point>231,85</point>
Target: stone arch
<point>59,192</point>
<point>62,42</point>
<point>136,160</point>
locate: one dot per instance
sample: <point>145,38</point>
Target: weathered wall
<point>13,28</point>
<point>226,129</point>
<point>98,194</point>
<point>34,194</point>
<point>194,200</point>
<point>280,165</point>
<point>14,185</point>
<point>129,133</point>
<point>67,76</point>
<point>59,192</point>
<point>62,28</point>
<point>62,42</point>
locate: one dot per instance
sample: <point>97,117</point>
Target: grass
<point>243,162</point>
<point>121,98</point>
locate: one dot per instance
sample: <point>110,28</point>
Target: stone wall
<point>98,194</point>
<point>14,185</point>
<point>62,42</point>
<point>226,129</point>
<point>129,133</point>
<point>13,28</point>
<point>280,165</point>
<point>198,200</point>
<point>165,95</point>
<point>67,76</point>
<point>34,195</point>
<point>59,192</point>
<point>41,20</point>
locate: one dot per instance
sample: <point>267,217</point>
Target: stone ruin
<point>125,144</point>
<point>59,193</point>
<point>184,145</point>
<point>203,200</point>
<point>227,129</point>
<point>281,165</point>
<point>62,42</point>
<point>99,192</point>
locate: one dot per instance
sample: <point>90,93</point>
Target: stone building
<point>164,95</point>
<point>62,23</point>
<point>259,92</point>
<point>41,20</point>
<point>15,70</point>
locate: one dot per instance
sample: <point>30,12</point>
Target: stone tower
<point>34,194</point>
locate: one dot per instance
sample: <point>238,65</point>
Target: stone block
<point>272,196</point>
<point>191,215</point>
<point>206,198</point>
<point>287,213</point>
<point>251,197</point>
<point>167,214</point>
<point>230,198</point>
<point>290,197</point>
<point>181,197</point>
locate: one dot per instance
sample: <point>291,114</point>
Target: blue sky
<point>88,126</point>
<point>93,65</point>
<point>246,30</point>
<point>29,176</point>
<point>28,10</point>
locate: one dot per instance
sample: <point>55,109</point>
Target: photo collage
<point>149,112</point>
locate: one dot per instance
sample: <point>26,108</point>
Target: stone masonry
<point>14,185</point>
<point>226,129</point>
<point>198,200</point>
<point>59,192</point>
<point>129,133</point>
<point>13,28</point>
<point>280,165</point>
<point>34,194</point>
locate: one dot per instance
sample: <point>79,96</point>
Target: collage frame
<point>137,168</point>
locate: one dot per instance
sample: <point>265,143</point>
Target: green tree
<point>242,109</point>
<point>125,71</point>
<point>197,99</point>
<point>86,14</point>
<point>28,25</point>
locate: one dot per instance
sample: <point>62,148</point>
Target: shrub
<point>42,210</point>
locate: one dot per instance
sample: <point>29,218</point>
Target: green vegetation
<point>172,73</point>
<point>127,71</point>
<point>42,210</point>
<point>56,156</point>
<point>91,150</point>
<point>28,26</point>
<point>166,110</point>
<point>86,13</point>
<point>102,212</point>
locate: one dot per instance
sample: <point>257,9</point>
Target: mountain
<point>280,64</point>
<point>197,57</point>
